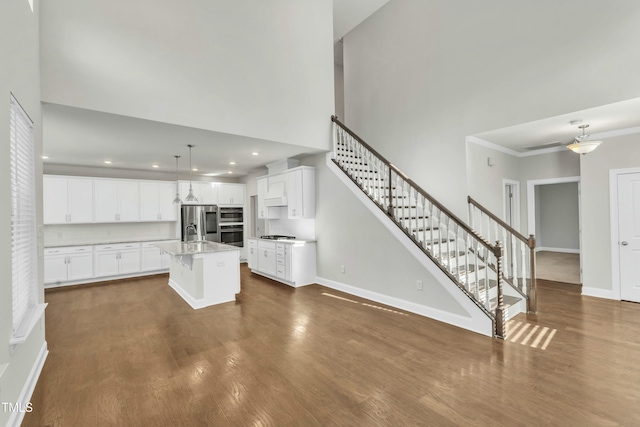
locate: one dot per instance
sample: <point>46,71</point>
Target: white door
<point>166,194</point>
<point>129,261</point>
<point>106,263</point>
<point>55,268</point>
<point>106,201</point>
<point>629,235</point>
<point>151,259</point>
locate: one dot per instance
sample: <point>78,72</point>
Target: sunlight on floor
<point>520,332</point>
<point>364,304</point>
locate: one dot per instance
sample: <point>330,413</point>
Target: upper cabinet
<point>294,188</point>
<point>117,200</point>
<point>67,200</point>
<point>230,194</point>
<point>156,201</point>
<point>301,200</point>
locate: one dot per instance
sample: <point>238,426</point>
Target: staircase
<point>470,261</point>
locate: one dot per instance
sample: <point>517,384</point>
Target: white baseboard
<point>194,303</point>
<point>480,325</point>
<point>561,250</point>
<point>30,385</point>
<point>106,278</point>
<point>598,293</point>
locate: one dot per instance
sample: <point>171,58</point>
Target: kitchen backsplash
<point>305,228</point>
<point>83,234</point>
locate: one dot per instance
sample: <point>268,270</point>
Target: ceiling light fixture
<point>230,172</point>
<point>190,197</point>
<point>108,162</point>
<point>581,144</point>
<point>177,200</point>
<point>232,163</point>
<point>45,157</point>
<point>255,153</point>
<point>154,166</point>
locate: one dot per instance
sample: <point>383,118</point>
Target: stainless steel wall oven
<point>231,234</point>
<point>231,214</point>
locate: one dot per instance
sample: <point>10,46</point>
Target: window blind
<point>24,261</point>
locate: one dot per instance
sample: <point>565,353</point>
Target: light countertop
<point>290,241</point>
<point>108,242</point>
<point>194,248</point>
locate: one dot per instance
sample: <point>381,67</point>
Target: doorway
<point>553,216</point>
<point>625,232</point>
<point>258,225</point>
<point>511,203</point>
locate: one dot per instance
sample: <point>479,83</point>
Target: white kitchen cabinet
<point>68,264</point>
<point>209,193</point>
<point>156,201</point>
<point>265,212</point>
<point>301,193</point>
<point>252,259</point>
<point>152,258</point>
<point>117,259</point>
<point>290,262</point>
<point>117,200</point>
<point>283,261</point>
<point>231,194</point>
<point>267,258</point>
<point>67,200</point>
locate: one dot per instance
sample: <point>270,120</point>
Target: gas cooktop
<point>277,237</point>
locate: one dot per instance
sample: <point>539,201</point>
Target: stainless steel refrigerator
<point>199,222</point>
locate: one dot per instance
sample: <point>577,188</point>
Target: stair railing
<point>468,259</point>
<point>520,255</point>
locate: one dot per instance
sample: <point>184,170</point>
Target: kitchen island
<point>203,273</point>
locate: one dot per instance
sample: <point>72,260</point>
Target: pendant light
<point>581,144</point>
<point>177,200</point>
<point>190,197</point>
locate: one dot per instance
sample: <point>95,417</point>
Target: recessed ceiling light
<point>195,169</point>
<point>108,162</point>
<point>45,157</point>
<point>155,166</point>
<point>232,163</point>
<point>230,172</point>
<point>255,153</point>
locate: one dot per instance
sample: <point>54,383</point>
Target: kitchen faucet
<point>191,227</point>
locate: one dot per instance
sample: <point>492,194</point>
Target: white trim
<point>31,319</point>
<point>616,281</point>
<point>29,386</point>
<point>492,146</point>
<point>515,216</point>
<point>479,321</point>
<point>442,316</point>
<point>560,250</point>
<point>194,303</point>
<point>514,153</point>
<point>598,293</point>
<point>531,198</point>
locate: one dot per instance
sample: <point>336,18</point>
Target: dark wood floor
<point>133,353</point>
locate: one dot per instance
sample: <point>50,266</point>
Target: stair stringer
<point>477,321</point>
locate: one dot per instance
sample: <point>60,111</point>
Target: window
<point>24,256</point>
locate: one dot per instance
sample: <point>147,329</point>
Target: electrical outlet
<point>342,269</point>
<point>419,285</point>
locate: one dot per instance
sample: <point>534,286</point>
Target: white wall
<point>338,73</point>
<point>421,75</point>
<point>251,68</point>
<point>19,75</point>
<point>558,226</point>
<point>615,153</point>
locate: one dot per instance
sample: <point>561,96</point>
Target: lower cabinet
<point>68,264</point>
<point>113,260</point>
<point>152,258</point>
<point>252,258</point>
<point>292,263</point>
<point>267,258</point>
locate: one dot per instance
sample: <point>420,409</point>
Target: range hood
<point>276,195</point>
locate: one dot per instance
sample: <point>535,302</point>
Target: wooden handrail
<point>510,229</point>
<point>494,249</point>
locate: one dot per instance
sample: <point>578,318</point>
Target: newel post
<point>532,294</point>
<point>500,314</point>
